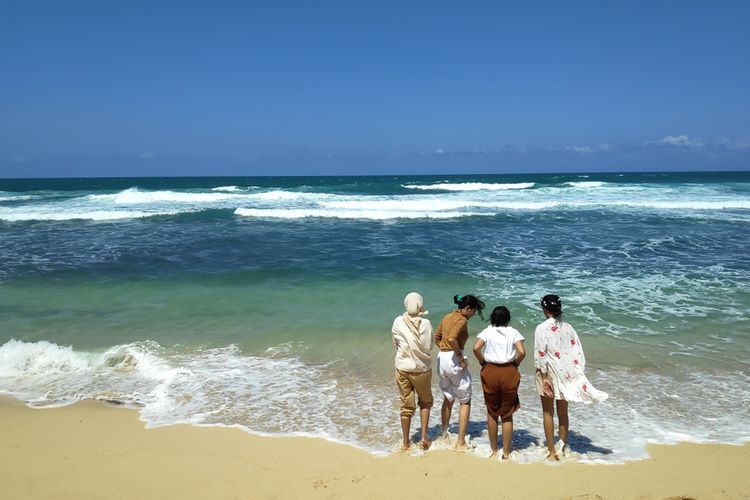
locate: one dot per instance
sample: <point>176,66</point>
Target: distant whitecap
<point>470,186</point>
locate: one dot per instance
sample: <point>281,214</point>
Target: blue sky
<point>223,88</point>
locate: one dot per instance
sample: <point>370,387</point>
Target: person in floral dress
<point>560,378</point>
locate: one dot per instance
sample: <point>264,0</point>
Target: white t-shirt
<point>499,343</point>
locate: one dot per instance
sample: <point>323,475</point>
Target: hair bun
<point>457,299</point>
<point>552,303</point>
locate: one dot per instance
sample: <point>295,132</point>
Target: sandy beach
<point>95,450</point>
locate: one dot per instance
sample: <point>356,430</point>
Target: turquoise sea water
<point>267,302</point>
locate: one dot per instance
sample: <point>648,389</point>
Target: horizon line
<point>578,172</point>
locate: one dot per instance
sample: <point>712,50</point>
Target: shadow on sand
<point>522,438</point>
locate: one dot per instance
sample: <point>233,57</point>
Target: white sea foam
<point>135,196</point>
<point>470,186</point>
<point>350,214</point>
<point>685,205</point>
<point>279,394</point>
<point>20,197</point>
<point>23,359</point>
<point>29,214</point>
<point>459,200</point>
<point>280,195</point>
<point>586,184</point>
<point>433,204</point>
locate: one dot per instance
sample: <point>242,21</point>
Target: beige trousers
<point>410,382</point>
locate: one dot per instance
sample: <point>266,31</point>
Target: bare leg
<point>445,415</point>
<point>405,425</point>
<point>492,432</point>
<point>548,407</point>
<point>424,417</point>
<point>463,424</point>
<point>562,419</point>
<point>507,436</point>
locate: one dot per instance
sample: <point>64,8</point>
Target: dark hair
<point>469,300</point>
<point>500,316</point>
<point>553,304</point>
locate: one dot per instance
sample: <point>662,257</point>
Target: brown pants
<point>500,386</point>
<point>409,383</point>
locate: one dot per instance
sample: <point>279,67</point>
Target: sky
<point>354,87</point>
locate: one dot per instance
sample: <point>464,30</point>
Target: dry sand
<point>92,450</point>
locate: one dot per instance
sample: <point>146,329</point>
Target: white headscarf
<point>414,305</point>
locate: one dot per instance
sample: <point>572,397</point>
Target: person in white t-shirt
<point>413,341</point>
<point>503,352</point>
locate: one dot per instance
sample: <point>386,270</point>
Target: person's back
<point>453,326</point>
<point>453,366</point>
<point>500,343</point>
<point>499,349</point>
<point>559,377</point>
<point>412,347</point>
<point>412,338</point>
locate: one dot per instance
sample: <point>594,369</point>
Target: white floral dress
<point>558,353</point>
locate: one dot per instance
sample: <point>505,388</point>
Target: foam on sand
<point>224,386</point>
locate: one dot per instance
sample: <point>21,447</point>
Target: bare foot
<point>463,447</point>
<point>493,454</point>
<point>552,456</point>
<point>424,444</point>
<point>506,457</point>
<point>405,446</point>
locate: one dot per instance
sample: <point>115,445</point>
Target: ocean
<point>266,302</point>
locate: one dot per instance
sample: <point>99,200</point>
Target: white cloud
<point>147,156</point>
<point>680,141</point>
<point>453,152</point>
<point>742,143</point>
<point>725,142</point>
<point>579,149</point>
<point>584,150</point>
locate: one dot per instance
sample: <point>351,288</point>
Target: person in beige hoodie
<point>413,341</point>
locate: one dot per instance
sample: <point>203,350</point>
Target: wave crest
<point>470,186</point>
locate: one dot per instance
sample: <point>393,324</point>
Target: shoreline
<point>94,450</point>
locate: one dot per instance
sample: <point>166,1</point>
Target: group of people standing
<point>499,349</point>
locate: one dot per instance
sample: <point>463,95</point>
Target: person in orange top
<point>453,367</point>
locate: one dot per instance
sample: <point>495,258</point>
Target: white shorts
<point>455,382</point>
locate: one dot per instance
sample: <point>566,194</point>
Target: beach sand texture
<point>93,450</point>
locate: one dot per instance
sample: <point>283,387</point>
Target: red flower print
<point>575,361</point>
<point>541,353</point>
<point>584,387</point>
<point>557,355</point>
<point>572,341</point>
<point>554,328</point>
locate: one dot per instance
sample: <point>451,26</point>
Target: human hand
<point>548,389</point>
<point>464,362</point>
